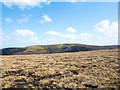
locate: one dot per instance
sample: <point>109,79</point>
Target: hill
<point>57,48</point>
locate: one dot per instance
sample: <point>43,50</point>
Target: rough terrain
<point>87,69</point>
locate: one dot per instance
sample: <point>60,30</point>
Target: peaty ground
<point>87,69</point>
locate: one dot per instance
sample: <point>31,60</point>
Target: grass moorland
<point>56,48</point>
<point>87,69</point>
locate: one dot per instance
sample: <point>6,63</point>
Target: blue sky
<point>93,23</point>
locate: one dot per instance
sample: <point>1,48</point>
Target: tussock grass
<point>88,69</point>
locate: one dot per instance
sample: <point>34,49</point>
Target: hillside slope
<point>58,48</point>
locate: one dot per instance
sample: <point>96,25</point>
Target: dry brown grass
<point>96,69</point>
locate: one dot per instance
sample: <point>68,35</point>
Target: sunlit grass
<point>88,69</point>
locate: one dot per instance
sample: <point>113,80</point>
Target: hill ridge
<point>54,48</point>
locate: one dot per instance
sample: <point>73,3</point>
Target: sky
<point>92,23</point>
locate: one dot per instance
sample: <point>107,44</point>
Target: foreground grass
<point>90,69</point>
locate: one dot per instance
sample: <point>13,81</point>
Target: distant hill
<point>57,48</point>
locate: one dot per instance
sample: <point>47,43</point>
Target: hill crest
<point>55,48</point>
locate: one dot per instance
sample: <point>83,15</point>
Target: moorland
<point>86,69</point>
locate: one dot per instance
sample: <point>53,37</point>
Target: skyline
<point>92,23</point>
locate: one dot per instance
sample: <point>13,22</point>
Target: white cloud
<point>72,0</point>
<point>24,33</point>
<point>8,19</point>
<point>107,28</point>
<point>25,36</point>
<point>87,0</point>
<point>70,30</point>
<point>24,19</point>
<point>34,39</point>
<point>27,4</point>
<point>52,33</point>
<point>22,4</point>
<point>106,33</point>
<point>99,38</point>
<point>84,36</point>
<point>48,2</point>
<point>68,37</point>
<point>41,21</point>
<point>46,18</point>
